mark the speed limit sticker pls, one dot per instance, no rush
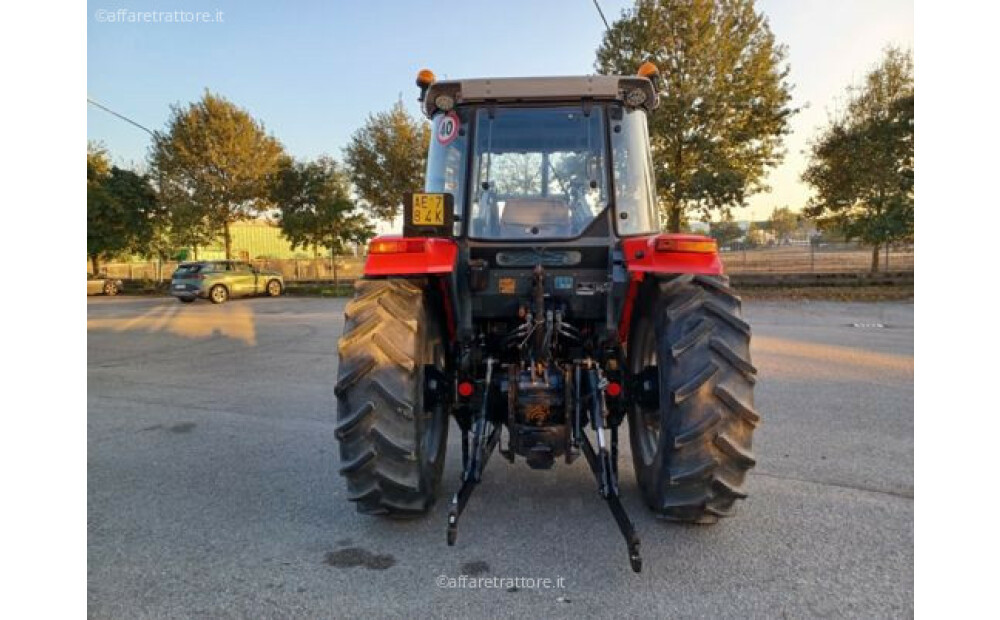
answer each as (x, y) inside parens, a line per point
(447, 129)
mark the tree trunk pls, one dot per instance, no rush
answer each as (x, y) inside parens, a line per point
(674, 219)
(333, 262)
(195, 249)
(875, 250)
(228, 240)
(95, 261)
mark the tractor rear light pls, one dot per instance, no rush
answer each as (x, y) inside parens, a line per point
(699, 246)
(614, 389)
(444, 102)
(635, 97)
(397, 246)
(465, 389)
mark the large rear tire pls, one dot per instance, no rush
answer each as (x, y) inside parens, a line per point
(693, 451)
(392, 446)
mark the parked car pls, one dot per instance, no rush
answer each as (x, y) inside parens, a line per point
(218, 280)
(103, 285)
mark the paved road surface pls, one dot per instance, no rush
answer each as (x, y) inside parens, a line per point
(212, 485)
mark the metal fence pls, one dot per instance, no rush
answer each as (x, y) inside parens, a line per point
(816, 258)
(825, 258)
(293, 269)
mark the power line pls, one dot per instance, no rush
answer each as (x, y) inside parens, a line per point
(123, 117)
(603, 19)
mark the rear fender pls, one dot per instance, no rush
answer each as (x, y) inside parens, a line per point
(642, 255)
(394, 256)
(665, 254)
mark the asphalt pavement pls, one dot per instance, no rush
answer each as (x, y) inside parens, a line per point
(213, 489)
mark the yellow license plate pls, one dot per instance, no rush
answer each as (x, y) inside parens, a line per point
(428, 210)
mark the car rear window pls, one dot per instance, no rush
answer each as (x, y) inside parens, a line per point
(186, 270)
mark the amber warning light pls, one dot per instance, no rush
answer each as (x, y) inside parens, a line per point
(396, 246)
(700, 246)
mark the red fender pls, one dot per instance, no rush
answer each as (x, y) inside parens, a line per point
(673, 253)
(392, 255)
(665, 253)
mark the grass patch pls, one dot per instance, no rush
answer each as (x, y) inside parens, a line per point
(903, 292)
(319, 290)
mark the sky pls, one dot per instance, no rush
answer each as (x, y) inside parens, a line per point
(313, 71)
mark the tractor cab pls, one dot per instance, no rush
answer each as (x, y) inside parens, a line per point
(543, 159)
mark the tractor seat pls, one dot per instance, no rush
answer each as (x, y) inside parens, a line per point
(543, 217)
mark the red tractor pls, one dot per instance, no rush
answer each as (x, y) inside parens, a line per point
(533, 291)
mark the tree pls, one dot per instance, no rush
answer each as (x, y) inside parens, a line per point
(782, 223)
(724, 108)
(316, 208)
(217, 164)
(121, 206)
(755, 235)
(725, 231)
(861, 165)
(187, 225)
(387, 157)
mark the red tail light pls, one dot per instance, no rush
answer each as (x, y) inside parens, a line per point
(465, 389)
(699, 246)
(397, 246)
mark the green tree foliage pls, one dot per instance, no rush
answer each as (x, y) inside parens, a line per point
(121, 208)
(217, 164)
(316, 208)
(782, 223)
(755, 235)
(387, 157)
(861, 165)
(98, 164)
(724, 108)
(725, 231)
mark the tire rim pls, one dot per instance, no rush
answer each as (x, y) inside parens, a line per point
(647, 426)
(218, 294)
(273, 288)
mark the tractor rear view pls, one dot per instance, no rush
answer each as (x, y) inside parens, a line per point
(533, 299)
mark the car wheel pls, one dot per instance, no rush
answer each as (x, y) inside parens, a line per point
(110, 289)
(218, 294)
(273, 288)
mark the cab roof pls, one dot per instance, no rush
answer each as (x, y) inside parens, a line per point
(540, 89)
